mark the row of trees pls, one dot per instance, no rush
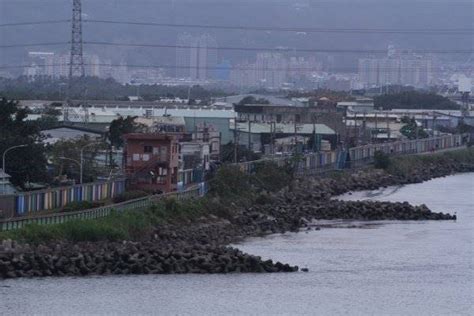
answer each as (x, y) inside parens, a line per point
(414, 100)
(93, 88)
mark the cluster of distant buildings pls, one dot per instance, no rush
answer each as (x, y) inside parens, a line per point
(177, 143)
(197, 62)
(397, 68)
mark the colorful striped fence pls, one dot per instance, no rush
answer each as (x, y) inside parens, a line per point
(57, 218)
(190, 176)
(406, 147)
(359, 156)
(35, 201)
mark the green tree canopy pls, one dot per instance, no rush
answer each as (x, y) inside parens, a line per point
(252, 100)
(25, 164)
(411, 130)
(121, 126)
(414, 100)
(47, 88)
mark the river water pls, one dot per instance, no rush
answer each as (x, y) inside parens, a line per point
(384, 268)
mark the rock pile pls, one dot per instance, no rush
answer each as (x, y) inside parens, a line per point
(130, 258)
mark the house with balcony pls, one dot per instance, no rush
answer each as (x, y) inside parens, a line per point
(151, 161)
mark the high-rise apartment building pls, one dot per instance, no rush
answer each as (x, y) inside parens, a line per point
(396, 68)
(272, 70)
(196, 57)
(41, 64)
(57, 65)
(244, 75)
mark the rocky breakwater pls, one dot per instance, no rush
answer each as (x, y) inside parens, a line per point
(293, 213)
(106, 258)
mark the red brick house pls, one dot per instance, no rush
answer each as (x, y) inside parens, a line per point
(151, 161)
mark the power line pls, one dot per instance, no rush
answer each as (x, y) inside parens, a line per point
(34, 23)
(289, 69)
(257, 49)
(34, 44)
(285, 49)
(291, 29)
(439, 31)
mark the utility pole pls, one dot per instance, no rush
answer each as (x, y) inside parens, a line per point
(376, 129)
(250, 134)
(465, 104)
(294, 118)
(76, 61)
(236, 140)
(388, 127)
(416, 127)
(364, 128)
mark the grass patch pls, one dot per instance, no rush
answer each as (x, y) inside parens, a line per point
(403, 166)
(230, 189)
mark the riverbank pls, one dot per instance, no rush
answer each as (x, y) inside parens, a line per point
(192, 237)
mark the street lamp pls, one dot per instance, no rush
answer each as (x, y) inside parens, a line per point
(3, 161)
(81, 161)
(82, 157)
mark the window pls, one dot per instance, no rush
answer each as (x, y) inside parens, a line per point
(163, 153)
(136, 157)
(147, 149)
(297, 118)
(278, 118)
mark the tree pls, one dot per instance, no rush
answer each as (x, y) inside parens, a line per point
(48, 119)
(243, 153)
(71, 149)
(411, 130)
(25, 164)
(414, 100)
(121, 126)
(252, 100)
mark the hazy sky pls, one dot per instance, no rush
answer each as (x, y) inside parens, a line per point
(362, 14)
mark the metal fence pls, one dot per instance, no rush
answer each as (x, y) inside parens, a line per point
(321, 162)
(27, 203)
(140, 203)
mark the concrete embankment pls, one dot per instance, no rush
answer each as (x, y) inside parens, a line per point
(200, 244)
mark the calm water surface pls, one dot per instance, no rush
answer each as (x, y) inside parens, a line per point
(391, 268)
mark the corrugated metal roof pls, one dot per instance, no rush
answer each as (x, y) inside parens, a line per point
(274, 101)
(259, 128)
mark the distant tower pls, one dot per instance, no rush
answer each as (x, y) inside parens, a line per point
(465, 87)
(76, 61)
(76, 65)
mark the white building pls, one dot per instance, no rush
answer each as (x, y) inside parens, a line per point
(57, 65)
(395, 69)
(196, 57)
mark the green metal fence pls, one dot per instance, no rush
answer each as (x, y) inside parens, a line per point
(58, 218)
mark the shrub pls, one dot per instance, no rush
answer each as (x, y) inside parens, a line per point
(381, 160)
(271, 177)
(129, 195)
(92, 231)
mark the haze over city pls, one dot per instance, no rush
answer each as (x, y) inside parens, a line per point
(316, 39)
